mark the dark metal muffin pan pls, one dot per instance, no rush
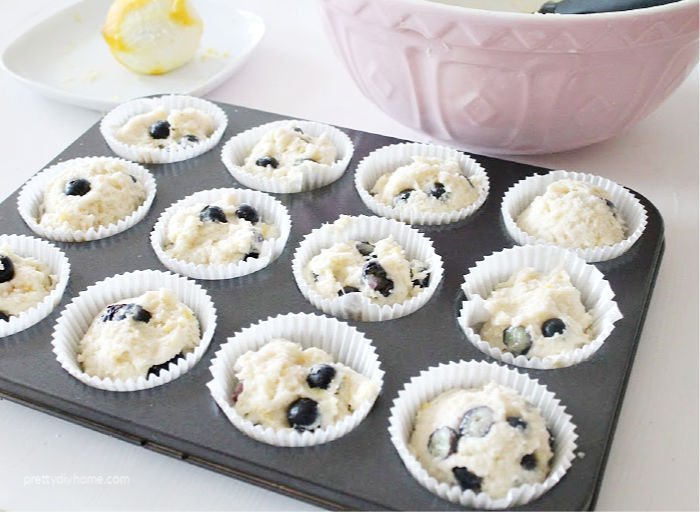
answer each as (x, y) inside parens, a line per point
(361, 470)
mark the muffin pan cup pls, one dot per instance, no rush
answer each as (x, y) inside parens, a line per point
(361, 469)
(271, 212)
(471, 374)
(356, 306)
(32, 193)
(596, 296)
(117, 117)
(308, 176)
(521, 194)
(344, 343)
(59, 266)
(80, 313)
(389, 158)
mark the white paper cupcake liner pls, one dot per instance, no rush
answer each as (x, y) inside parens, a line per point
(521, 194)
(355, 306)
(31, 198)
(435, 380)
(79, 314)
(271, 211)
(389, 158)
(310, 175)
(53, 257)
(596, 294)
(117, 117)
(344, 343)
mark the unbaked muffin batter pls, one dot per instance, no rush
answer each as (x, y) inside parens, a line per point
(427, 184)
(223, 231)
(90, 194)
(487, 439)
(282, 385)
(573, 214)
(537, 315)
(284, 150)
(136, 336)
(161, 128)
(24, 282)
(381, 271)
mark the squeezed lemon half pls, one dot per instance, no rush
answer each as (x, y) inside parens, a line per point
(152, 37)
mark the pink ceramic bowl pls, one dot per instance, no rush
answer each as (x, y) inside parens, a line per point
(513, 83)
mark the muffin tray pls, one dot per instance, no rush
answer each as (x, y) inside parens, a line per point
(361, 470)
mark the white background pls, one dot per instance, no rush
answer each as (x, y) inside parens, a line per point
(653, 463)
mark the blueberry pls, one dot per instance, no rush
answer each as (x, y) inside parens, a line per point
(7, 273)
(298, 130)
(302, 414)
(247, 212)
(212, 214)
(517, 340)
(438, 191)
(157, 368)
(191, 138)
(133, 178)
(159, 130)
(476, 422)
(528, 461)
(117, 312)
(77, 187)
(467, 480)
(364, 248)
(237, 390)
(420, 282)
(320, 376)
(4, 317)
(252, 254)
(517, 422)
(553, 326)
(346, 290)
(442, 442)
(376, 278)
(403, 196)
(265, 161)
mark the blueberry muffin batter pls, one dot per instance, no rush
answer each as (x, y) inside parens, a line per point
(487, 439)
(224, 231)
(282, 385)
(161, 128)
(427, 184)
(380, 271)
(282, 151)
(89, 194)
(573, 214)
(537, 315)
(24, 282)
(138, 337)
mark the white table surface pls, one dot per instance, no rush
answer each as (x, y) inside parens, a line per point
(653, 464)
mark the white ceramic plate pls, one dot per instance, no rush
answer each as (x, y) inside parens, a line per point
(64, 56)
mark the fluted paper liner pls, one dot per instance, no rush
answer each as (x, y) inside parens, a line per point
(117, 117)
(310, 175)
(389, 158)
(79, 314)
(31, 198)
(56, 261)
(343, 342)
(522, 193)
(355, 306)
(469, 374)
(596, 295)
(271, 212)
